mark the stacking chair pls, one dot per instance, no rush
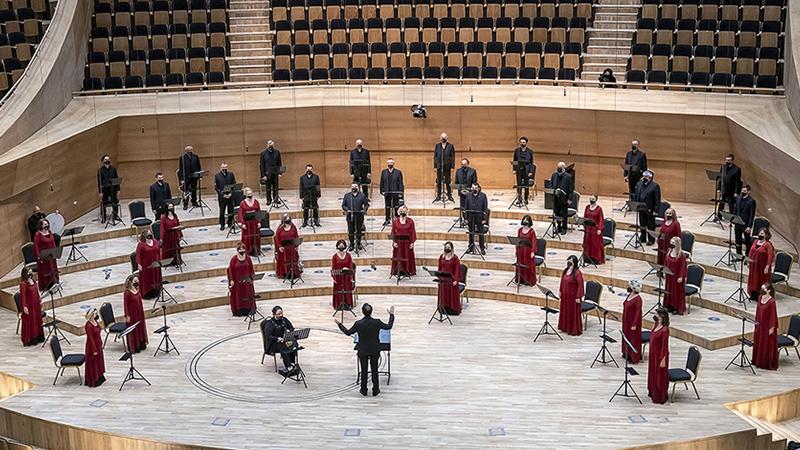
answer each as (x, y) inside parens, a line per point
(62, 361)
(139, 220)
(688, 375)
(792, 337)
(592, 294)
(783, 267)
(110, 324)
(695, 275)
(609, 231)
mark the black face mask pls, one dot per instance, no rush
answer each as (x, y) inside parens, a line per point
(655, 319)
(108, 163)
(250, 196)
(592, 201)
(634, 148)
(390, 166)
(444, 141)
(96, 317)
(160, 181)
(526, 224)
(136, 284)
(729, 163)
(761, 238)
(241, 252)
(403, 214)
(340, 248)
(448, 250)
(308, 172)
(745, 194)
(474, 191)
(353, 190)
(763, 292)
(171, 210)
(671, 245)
(560, 170)
(149, 236)
(630, 290)
(287, 221)
(224, 171)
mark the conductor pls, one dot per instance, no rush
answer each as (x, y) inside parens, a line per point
(369, 345)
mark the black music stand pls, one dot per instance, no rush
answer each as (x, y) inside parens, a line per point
(624, 209)
(440, 278)
(74, 252)
(400, 263)
(473, 234)
(53, 324)
(360, 170)
(163, 295)
(660, 271)
(392, 207)
(740, 295)
(200, 174)
(312, 190)
(257, 216)
(294, 270)
(296, 374)
(658, 236)
(518, 243)
(132, 374)
(741, 355)
(254, 315)
(728, 258)
(231, 217)
(604, 352)
(635, 207)
(629, 371)
(584, 222)
(359, 234)
(166, 341)
(714, 176)
(546, 326)
(178, 258)
(278, 201)
(112, 183)
(459, 222)
(54, 253)
(343, 306)
(519, 202)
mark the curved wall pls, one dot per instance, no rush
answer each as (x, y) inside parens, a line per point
(791, 55)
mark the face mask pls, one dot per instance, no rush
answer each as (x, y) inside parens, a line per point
(592, 201)
(560, 170)
(761, 237)
(448, 249)
(730, 163)
(340, 248)
(634, 148)
(136, 284)
(353, 190)
(630, 290)
(308, 171)
(391, 166)
(241, 252)
(108, 163)
(96, 317)
(224, 171)
(744, 194)
(464, 166)
(46, 227)
(655, 319)
(671, 245)
(403, 213)
(523, 145)
(359, 147)
(444, 140)
(526, 223)
(763, 292)
(249, 195)
(149, 236)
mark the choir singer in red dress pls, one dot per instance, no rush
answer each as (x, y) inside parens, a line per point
(632, 322)
(763, 255)
(449, 296)
(46, 269)
(668, 229)
(593, 249)
(343, 281)
(675, 261)
(571, 292)
(403, 250)
(241, 293)
(526, 256)
(658, 364)
(287, 260)
(134, 312)
(95, 363)
(147, 251)
(32, 328)
(765, 336)
(251, 229)
(170, 236)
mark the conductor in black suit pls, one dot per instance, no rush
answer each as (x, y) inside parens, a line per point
(225, 200)
(369, 345)
(636, 159)
(160, 194)
(108, 193)
(188, 165)
(269, 166)
(648, 192)
(562, 184)
(444, 160)
(729, 183)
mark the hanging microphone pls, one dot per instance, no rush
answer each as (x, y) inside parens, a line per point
(611, 289)
(372, 266)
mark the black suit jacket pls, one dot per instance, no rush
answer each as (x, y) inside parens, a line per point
(392, 181)
(355, 203)
(104, 177)
(368, 330)
(444, 158)
(187, 165)
(271, 331)
(269, 160)
(746, 209)
(478, 202)
(363, 155)
(637, 161)
(306, 186)
(466, 178)
(221, 180)
(730, 181)
(159, 195)
(649, 194)
(526, 158)
(564, 182)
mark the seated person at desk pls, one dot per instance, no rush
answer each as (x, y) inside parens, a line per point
(273, 330)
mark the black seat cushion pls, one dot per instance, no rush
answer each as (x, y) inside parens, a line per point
(141, 222)
(679, 375)
(586, 306)
(461, 287)
(267, 232)
(690, 290)
(778, 278)
(538, 260)
(118, 327)
(73, 359)
(785, 341)
(645, 336)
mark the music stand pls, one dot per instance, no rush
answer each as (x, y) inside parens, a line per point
(520, 166)
(251, 315)
(518, 243)
(132, 374)
(200, 174)
(178, 258)
(360, 171)
(440, 278)
(312, 190)
(636, 207)
(471, 247)
(582, 221)
(400, 263)
(257, 216)
(234, 227)
(392, 207)
(359, 235)
(296, 374)
(162, 292)
(658, 236)
(601, 355)
(343, 306)
(166, 341)
(53, 324)
(277, 171)
(546, 326)
(714, 176)
(728, 259)
(294, 270)
(740, 295)
(52, 253)
(629, 371)
(112, 183)
(459, 222)
(660, 271)
(741, 355)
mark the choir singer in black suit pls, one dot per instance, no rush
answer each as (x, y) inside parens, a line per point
(188, 165)
(637, 160)
(225, 199)
(648, 192)
(369, 344)
(310, 193)
(270, 165)
(444, 160)
(354, 207)
(466, 176)
(360, 166)
(160, 194)
(476, 206)
(729, 183)
(108, 193)
(562, 184)
(745, 207)
(524, 169)
(392, 189)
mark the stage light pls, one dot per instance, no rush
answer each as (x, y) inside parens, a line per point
(419, 112)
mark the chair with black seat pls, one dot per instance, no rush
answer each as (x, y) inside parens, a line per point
(28, 257)
(90, 84)
(547, 8)
(301, 55)
(489, 75)
(522, 29)
(681, 57)
(436, 53)
(649, 9)
(511, 9)
(660, 57)
(110, 324)
(552, 55)
(102, 15)
(216, 60)
(508, 75)
(386, 9)
(432, 74)
(376, 74)
(120, 38)
(466, 30)
(726, 33)
(154, 81)
(283, 56)
(357, 74)
(470, 74)
(546, 75)
(640, 57)
(566, 74)
(195, 79)
(533, 55)
(297, 10)
(710, 10)
(458, 9)
(177, 60)
(301, 32)
(198, 11)
(333, 10)
(218, 78)
(416, 54)
(745, 61)
(700, 79)
(687, 244)
(122, 14)
(688, 375)
(197, 59)
(792, 337)
(783, 267)
(218, 34)
(14, 67)
(770, 36)
(161, 12)
(413, 74)
(218, 10)
(397, 54)
(540, 254)
(748, 33)
(729, 10)
(140, 38)
(374, 30)
(97, 65)
(62, 361)
(684, 35)
(283, 32)
(572, 56)
(706, 32)
(379, 56)
(139, 220)
(430, 29)
(665, 32)
(669, 9)
(137, 63)
(609, 231)
(411, 29)
(281, 75)
(494, 54)
(448, 27)
(462, 283)
(658, 78)
(319, 31)
(743, 81)
(540, 28)
(266, 345)
(635, 76)
(645, 340)
(23, 50)
(577, 30)
(695, 274)
(319, 74)
(180, 12)
(455, 54)
(112, 83)
(100, 39)
(359, 57)
(583, 9)
(338, 74)
(394, 74)
(451, 73)
(18, 304)
(591, 299)
(527, 75)
(141, 13)
(394, 30)
(301, 75)
(678, 80)
(133, 82)
(8, 18)
(159, 36)
(722, 79)
(768, 61)
(322, 57)
(645, 28)
(701, 62)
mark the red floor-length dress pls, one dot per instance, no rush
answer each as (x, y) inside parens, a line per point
(95, 363)
(668, 231)
(242, 296)
(526, 275)
(658, 377)
(251, 234)
(765, 345)
(632, 327)
(404, 251)
(569, 316)
(675, 297)
(46, 269)
(449, 295)
(286, 261)
(762, 255)
(342, 282)
(32, 329)
(170, 238)
(134, 311)
(149, 279)
(592, 242)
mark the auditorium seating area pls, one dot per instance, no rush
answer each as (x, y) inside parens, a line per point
(136, 44)
(22, 24)
(429, 40)
(722, 43)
